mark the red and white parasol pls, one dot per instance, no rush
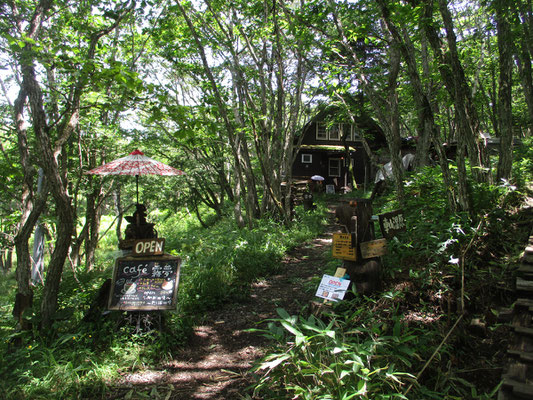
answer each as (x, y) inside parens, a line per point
(136, 163)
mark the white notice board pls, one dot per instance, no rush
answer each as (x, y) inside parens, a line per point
(332, 288)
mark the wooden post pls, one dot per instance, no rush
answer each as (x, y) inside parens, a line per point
(356, 217)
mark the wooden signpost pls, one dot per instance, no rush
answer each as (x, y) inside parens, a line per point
(342, 247)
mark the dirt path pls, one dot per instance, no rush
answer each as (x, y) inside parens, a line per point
(215, 362)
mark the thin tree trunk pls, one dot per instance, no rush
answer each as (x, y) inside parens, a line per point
(467, 116)
(456, 93)
(37, 271)
(523, 53)
(380, 106)
(427, 129)
(504, 96)
(92, 218)
(233, 137)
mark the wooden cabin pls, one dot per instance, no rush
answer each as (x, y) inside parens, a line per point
(327, 148)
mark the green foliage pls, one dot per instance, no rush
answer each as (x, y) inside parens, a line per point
(78, 358)
(220, 262)
(322, 361)
(372, 347)
(522, 171)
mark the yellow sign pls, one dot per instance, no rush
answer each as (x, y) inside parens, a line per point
(342, 247)
(374, 248)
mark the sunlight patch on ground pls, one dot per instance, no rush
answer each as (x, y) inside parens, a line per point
(203, 331)
(261, 284)
(421, 317)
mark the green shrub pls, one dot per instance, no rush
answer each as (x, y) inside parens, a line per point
(317, 360)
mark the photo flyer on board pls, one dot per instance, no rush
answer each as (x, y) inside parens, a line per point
(332, 288)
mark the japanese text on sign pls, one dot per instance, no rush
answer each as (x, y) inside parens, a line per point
(147, 284)
(342, 247)
(392, 223)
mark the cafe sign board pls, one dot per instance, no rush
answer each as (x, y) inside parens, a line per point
(147, 283)
(342, 247)
(392, 223)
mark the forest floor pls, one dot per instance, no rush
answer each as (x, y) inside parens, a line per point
(215, 362)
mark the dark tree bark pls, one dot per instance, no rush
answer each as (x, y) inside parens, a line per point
(92, 216)
(393, 133)
(427, 129)
(504, 94)
(235, 137)
(453, 76)
(382, 107)
(523, 21)
(52, 150)
(465, 109)
(24, 295)
(356, 217)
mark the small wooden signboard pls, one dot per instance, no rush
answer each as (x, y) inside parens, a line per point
(342, 247)
(374, 248)
(147, 283)
(392, 223)
(144, 247)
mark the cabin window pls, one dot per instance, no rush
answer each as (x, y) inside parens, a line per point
(354, 134)
(321, 131)
(335, 167)
(335, 132)
(307, 158)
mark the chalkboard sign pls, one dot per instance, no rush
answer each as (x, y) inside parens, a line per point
(145, 283)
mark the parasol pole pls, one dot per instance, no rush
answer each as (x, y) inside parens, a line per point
(137, 181)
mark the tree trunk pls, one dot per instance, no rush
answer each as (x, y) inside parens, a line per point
(234, 137)
(119, 210)
(392, 132)
(427, 129)
(504, 96)
(92, 218)
(356, 217)
(467, 116)
(31, 210)
(390, 124)
(37, 271)
(453, 87)
(523, 53)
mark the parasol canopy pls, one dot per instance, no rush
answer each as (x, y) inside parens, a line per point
(136, 163)
(317, 178)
